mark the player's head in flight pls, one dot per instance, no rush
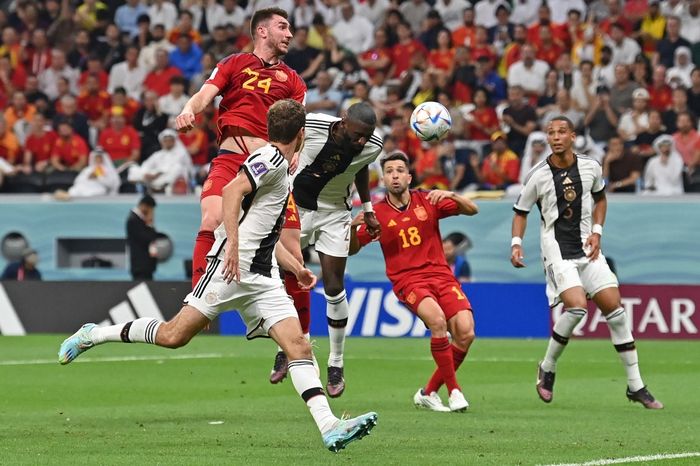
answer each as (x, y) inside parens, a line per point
(285, 123)
(560, 135)
(270, 28)
(397, 177)
(357, 126)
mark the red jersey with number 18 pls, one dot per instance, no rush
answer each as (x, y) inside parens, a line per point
(248, 87)
(410, 238)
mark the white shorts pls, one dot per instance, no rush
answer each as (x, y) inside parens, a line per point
(593, 276)
(261, 301)
(327, 230)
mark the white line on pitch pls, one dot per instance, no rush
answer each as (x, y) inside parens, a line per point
(634, 459)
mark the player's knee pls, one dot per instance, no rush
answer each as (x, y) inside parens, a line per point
(464, 337)
(170, 339)
(211, 219)
(437, 324)
(333, 289)
(299, 348)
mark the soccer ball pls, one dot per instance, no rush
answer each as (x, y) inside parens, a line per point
(430, 121)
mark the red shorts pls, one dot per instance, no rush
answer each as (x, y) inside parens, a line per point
(446, 291)
(222, 170)
(291, 218)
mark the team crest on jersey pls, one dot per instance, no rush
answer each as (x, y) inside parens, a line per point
(281, 76)
(259, 168)
(329, 166)
(421, 213)
(411, 298)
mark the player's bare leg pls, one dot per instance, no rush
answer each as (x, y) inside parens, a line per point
(290, 239)
(608, 301)
(175, 333)
(336, 433)
(461, 327)
(433, 316)
(211, 218)
(333, 271)
(574, 300)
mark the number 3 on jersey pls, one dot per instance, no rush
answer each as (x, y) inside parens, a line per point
(263, 84)
(412, 239)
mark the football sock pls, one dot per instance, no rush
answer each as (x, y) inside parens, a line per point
(337, 315)
(307, 384)
(202, 246)
(563, 328)
(436, 380)
(442, 354)
(622, 338)
(301, 298)
(141, 330)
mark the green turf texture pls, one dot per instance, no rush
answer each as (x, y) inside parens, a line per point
(158, 411)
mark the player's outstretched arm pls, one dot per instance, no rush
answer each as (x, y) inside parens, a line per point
(232, 197)
(197, 103)
(362, 185)
(518, 231)
(288, 262)
(466, 205)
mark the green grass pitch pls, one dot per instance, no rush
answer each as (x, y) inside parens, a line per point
(211, 403)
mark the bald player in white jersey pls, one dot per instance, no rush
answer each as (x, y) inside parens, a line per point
(569, 191)
(335, 155)
(243, 274)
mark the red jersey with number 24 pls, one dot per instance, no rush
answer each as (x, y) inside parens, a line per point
(248, 87)
(410, 238)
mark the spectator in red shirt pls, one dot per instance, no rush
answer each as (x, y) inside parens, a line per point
(126, 103)
(184, 27)
(548, 49)
(687, 141)
(465, 34)
(38, 54)
(11, 79)
(659, 91)
(158, 80)
(120, 140)
(378, 58)
(441, 59)
(482, 121)
(94, 68)
(403, 52)
(39, 145)
(94, 102)
(70, 151)
(481, 46)
(501, 167)
(544, 17)
(616, 16)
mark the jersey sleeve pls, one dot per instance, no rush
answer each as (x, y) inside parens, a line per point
(262, 168)
(221, 74)
(299, 90)
(528, 195)
(598, 181)
(447, 208)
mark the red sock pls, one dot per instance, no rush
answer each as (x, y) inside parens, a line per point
(442, 354)
(301, 298)
(436, 380)
(202, 246)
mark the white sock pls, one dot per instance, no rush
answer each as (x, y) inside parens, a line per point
(563, 328)
(141, 330)
(307, 384)
(337, 315)
(622, 338)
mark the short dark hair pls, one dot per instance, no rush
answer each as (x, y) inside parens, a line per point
(284, 120)
(569, 123)
(362, 112)
(178, 80)
(147, 200)
(396, 155)
(263, 15)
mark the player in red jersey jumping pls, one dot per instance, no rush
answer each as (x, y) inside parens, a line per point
(415, 263)
(248, 83)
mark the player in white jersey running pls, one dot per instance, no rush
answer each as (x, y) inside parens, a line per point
(569, 191)
(335, 155)
(243, 274)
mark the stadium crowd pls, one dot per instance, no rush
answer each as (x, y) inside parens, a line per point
(89, 89)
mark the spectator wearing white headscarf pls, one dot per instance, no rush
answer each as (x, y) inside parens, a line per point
(98, 178)
(663, 175)
(679, 74)
(165, 167)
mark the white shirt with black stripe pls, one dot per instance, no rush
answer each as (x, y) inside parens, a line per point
(327, 170)
(262, 213)
(564, 197)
